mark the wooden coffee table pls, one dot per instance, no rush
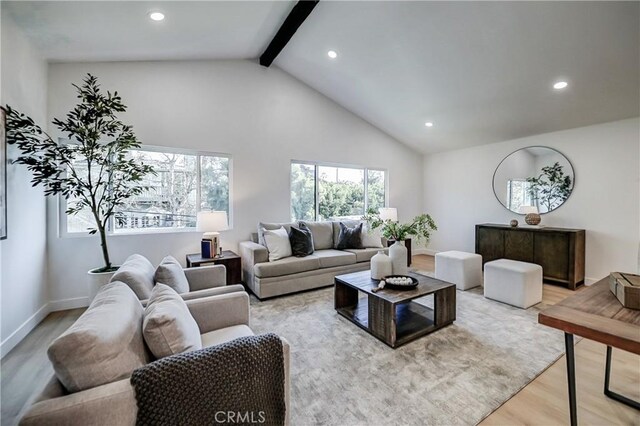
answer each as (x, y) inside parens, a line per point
(392, 315)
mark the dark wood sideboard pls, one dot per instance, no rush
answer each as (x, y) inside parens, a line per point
(560, 251)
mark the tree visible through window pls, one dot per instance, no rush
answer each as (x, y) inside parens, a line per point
(320, 192)
(184, 184)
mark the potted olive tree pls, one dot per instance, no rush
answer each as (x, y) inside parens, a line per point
(92, 171)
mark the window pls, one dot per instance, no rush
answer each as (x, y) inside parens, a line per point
(518, 194)
(323, 192)
(185, 183)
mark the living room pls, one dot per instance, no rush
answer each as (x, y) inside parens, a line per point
(418, 105)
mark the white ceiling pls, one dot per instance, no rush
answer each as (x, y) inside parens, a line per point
(120, 30)
(480, 71)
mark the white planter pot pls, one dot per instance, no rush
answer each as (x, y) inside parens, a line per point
(381, 266)
(95, 280)
(398, 255)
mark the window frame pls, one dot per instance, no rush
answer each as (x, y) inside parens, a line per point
(62, 202)
(318, 164)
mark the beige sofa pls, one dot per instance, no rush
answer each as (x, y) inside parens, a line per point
(293, 274)
(101, 369)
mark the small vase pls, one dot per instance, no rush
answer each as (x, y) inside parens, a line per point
(398, 255)
(381, 266)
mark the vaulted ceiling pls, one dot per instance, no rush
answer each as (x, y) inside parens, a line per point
(481, 72)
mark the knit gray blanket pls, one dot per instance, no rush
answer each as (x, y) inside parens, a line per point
(240, 382)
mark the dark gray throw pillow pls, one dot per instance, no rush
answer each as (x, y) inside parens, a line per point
(301, 240)
(350, 238)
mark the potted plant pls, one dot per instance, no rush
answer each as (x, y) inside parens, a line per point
(420, 228)
(92, 171)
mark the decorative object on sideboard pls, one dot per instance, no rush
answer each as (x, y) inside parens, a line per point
(3, 176)
(381, 265)
(532, 217)
(513, 223)
(626, 288)
(97, 141)
(398, 255)
(387, 220)
(534, 176)
(211, 223)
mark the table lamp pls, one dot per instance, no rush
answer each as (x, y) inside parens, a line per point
(211, 223)
(532, 217)
(389, 213)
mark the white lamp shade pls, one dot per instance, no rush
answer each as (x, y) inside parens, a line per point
(528, 209)
(212, 221)
(389, 213)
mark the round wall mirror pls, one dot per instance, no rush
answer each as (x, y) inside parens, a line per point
(535, 177)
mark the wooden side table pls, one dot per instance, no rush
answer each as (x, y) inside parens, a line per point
(229, 259)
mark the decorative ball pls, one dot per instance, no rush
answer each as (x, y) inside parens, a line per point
(513, 223)
(532, 219)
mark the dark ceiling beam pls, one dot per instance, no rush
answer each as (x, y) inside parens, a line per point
(296, 17)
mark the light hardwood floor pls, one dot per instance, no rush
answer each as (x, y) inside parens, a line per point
(541, 402)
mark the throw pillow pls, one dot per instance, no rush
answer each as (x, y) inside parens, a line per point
(371, 238)
(104, 345)
(168, 326)
(301, 240)
(277, 243)
(170, 273)
(350, 238)
(136, 272)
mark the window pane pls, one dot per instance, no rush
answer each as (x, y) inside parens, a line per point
(375, 189)
(214, 185)
(170, 201)
(83, 220)
(518, 194)
(341, 192)
(303, 192)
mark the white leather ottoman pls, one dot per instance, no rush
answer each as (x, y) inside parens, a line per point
(516, 283)
(460, 268)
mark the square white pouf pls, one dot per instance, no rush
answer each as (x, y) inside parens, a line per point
(516, 283)
(460, 268)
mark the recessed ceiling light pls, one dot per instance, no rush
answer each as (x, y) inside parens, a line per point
(332, 54)
(156, 16)
(560, 85)
(428, 124)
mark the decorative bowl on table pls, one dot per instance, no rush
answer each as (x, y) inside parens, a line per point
(400, 282)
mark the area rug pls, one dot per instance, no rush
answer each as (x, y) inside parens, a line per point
(340, 375)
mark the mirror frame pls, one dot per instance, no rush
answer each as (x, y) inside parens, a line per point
(493, 179)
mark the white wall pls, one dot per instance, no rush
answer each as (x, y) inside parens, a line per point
(605, 201)
(23, 259)
(263, 117)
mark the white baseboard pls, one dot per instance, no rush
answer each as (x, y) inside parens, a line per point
(64, 304)
(24, 329)
(590, 281)
(424, 251)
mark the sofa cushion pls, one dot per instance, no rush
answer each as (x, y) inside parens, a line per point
(271, 227)
(168, 326)
(224, 335)
(105, 344)
(322, 233)
(170, 273)
(287, 266)
(301, 240)
(136, 272)
(350, 237)
(365, 254)
(278, 243)
(330, 258)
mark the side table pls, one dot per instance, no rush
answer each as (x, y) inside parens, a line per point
(229, 259)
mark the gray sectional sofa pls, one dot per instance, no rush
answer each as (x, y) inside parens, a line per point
(293, 274)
